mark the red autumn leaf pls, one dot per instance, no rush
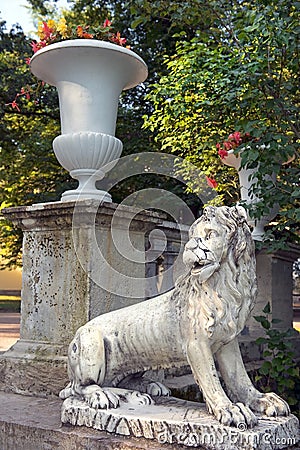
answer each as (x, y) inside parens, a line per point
(47, 31)
(107, 23)
(82, 33)
(14, 105)
(117, 39)
(37, 45)
(228, 145)
(211, 182)
(222, 153)
(236, 137)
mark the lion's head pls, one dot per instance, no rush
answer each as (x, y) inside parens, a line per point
(221, 261)
(218, 233)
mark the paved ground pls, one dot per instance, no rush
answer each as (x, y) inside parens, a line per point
(10, 329)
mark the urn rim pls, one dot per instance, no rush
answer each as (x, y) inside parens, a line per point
(73, 44)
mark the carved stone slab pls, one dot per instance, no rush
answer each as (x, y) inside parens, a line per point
(175, 421)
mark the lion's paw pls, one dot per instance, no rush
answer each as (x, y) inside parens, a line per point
(67, 392)
(137, 398)
(235, 414)
(157, 389)
(270, 404)
(102, 399)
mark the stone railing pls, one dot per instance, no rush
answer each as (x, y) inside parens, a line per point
(164, 247)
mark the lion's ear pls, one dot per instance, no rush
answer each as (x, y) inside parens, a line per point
(242, 240)
(239, 245)
(241, 212)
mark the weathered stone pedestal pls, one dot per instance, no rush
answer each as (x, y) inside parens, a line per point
(28, 423)
(275, 285)
(174, 421)
(79, 261)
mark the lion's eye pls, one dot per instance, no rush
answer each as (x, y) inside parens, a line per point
(211, 234)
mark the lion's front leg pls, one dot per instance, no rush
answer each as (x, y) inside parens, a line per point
(203, 367)
(240, 387)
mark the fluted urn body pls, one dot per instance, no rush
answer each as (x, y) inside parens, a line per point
(89, 76)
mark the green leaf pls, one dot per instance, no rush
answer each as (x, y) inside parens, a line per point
(265, 368)
(259, 318)
(276, 320)
(266, 324)
(267, 308)
(261, 340)
(296, 193)
(138, 22)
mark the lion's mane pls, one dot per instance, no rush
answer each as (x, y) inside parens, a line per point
(225, 300)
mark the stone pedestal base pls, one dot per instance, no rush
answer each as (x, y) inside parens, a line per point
(34, 368)
(175, 421)
(275, 285)
(80, 260)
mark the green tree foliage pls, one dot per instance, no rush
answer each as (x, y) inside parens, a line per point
(239, 73)
(29, 170)
(214, 67)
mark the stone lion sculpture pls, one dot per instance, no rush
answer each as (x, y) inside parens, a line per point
(196, 323)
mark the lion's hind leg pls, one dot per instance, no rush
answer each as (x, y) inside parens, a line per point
(86, 369)
(144, 384)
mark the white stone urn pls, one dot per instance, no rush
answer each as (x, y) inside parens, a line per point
(246, 180)
(89, 76)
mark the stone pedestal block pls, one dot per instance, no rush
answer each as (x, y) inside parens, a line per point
(274, 278)
(175, 421)
(79, 260)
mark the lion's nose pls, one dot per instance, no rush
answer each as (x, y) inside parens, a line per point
(188, 257)
(192, 244)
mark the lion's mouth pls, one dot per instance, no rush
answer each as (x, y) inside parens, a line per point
(199, 265)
